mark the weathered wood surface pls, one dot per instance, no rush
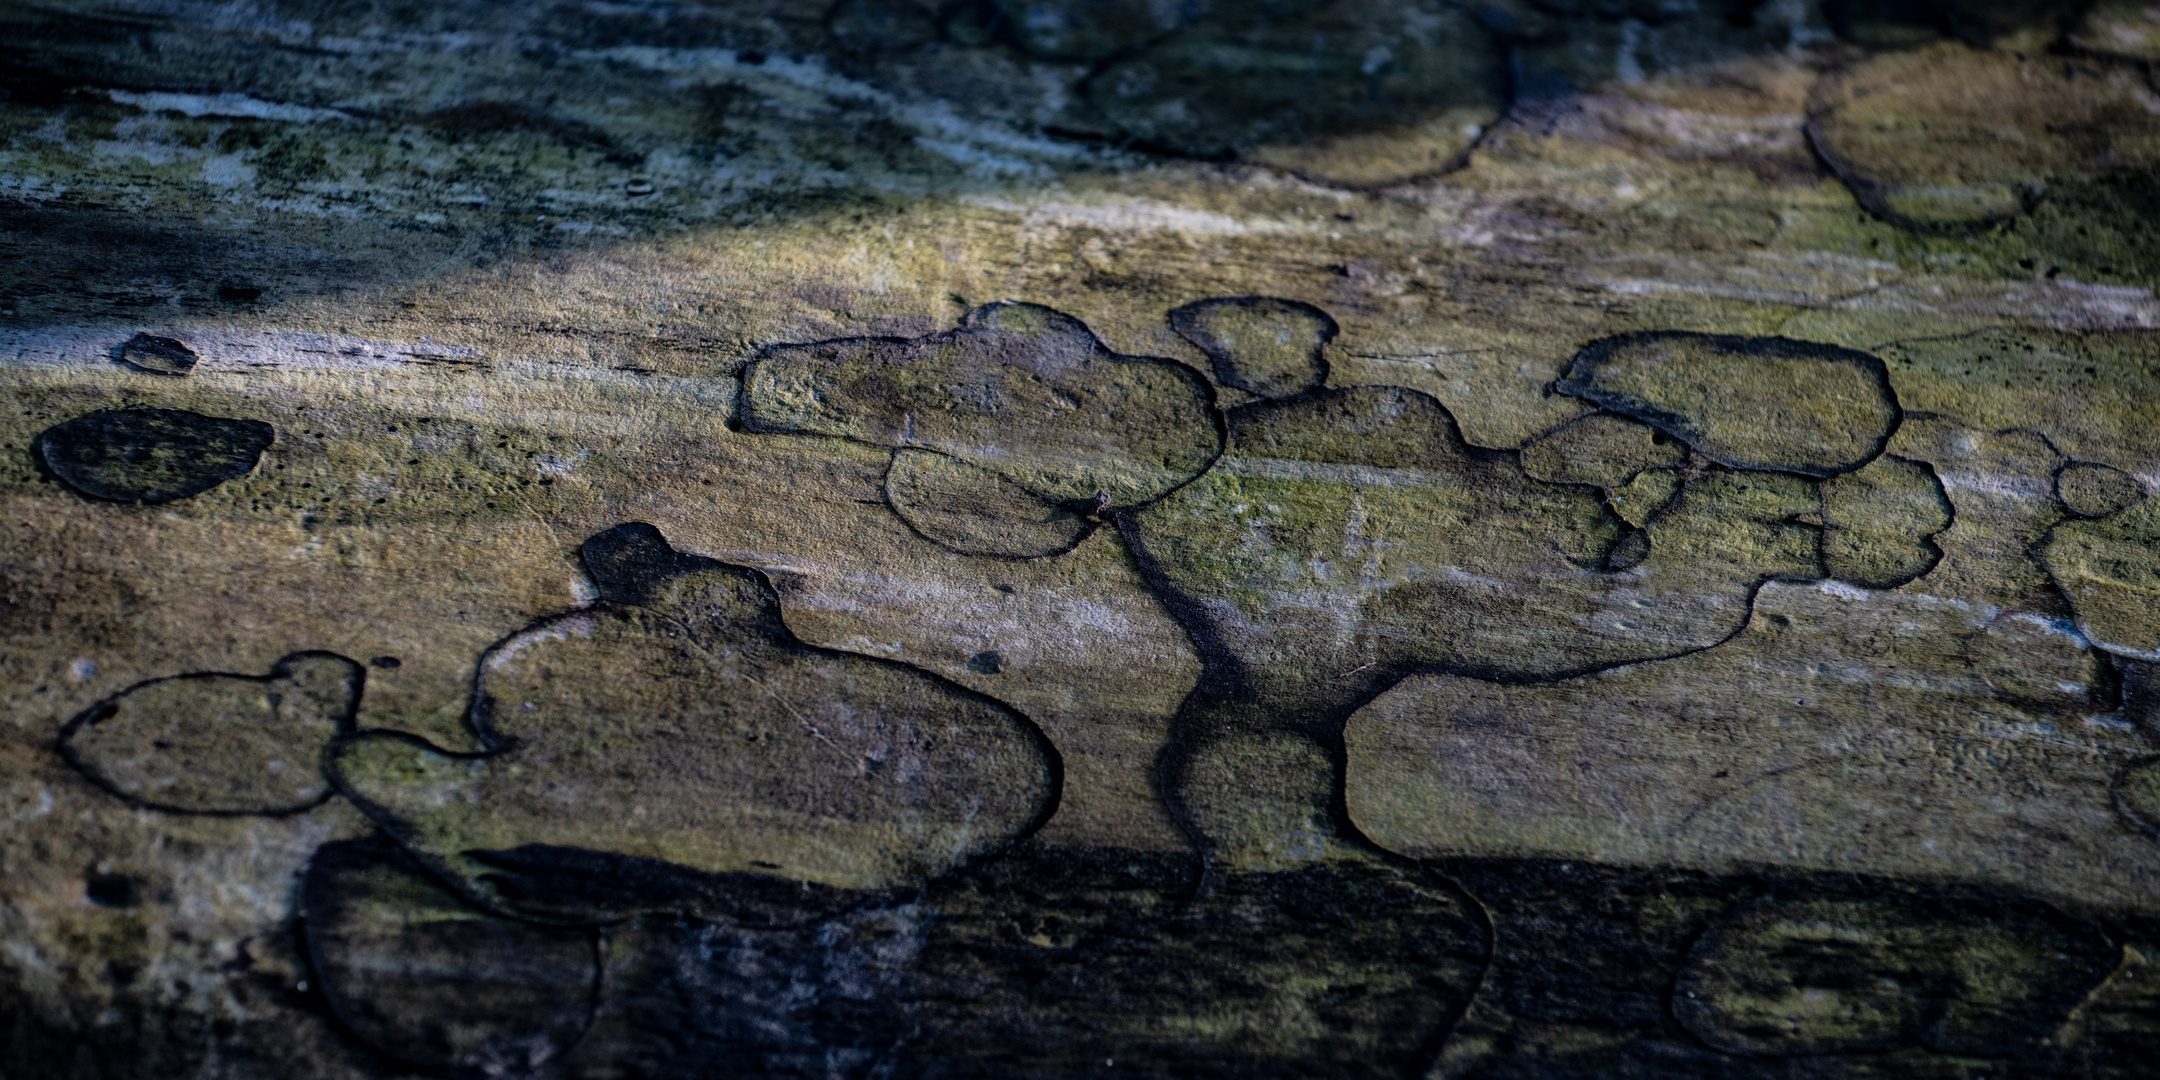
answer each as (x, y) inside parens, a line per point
(1100, 537)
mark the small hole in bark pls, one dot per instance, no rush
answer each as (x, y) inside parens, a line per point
(112, 890)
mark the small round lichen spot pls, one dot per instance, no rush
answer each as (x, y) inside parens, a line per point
(158, 355)
(1436, 143)
(1260, 344)
(152, 455)
(392, 774)
(2090, 489)
(1751, 403)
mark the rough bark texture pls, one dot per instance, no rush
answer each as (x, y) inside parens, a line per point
(1385, 538)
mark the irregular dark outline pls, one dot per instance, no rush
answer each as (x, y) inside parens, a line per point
(356, 679)
(41, 452)
(1586, 362)
(2033, 550)
(1222, 668)
(1740, 885)
(1223, 681)
(743, 420)
(633, 589)
(1182, 320)
(376, 849)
